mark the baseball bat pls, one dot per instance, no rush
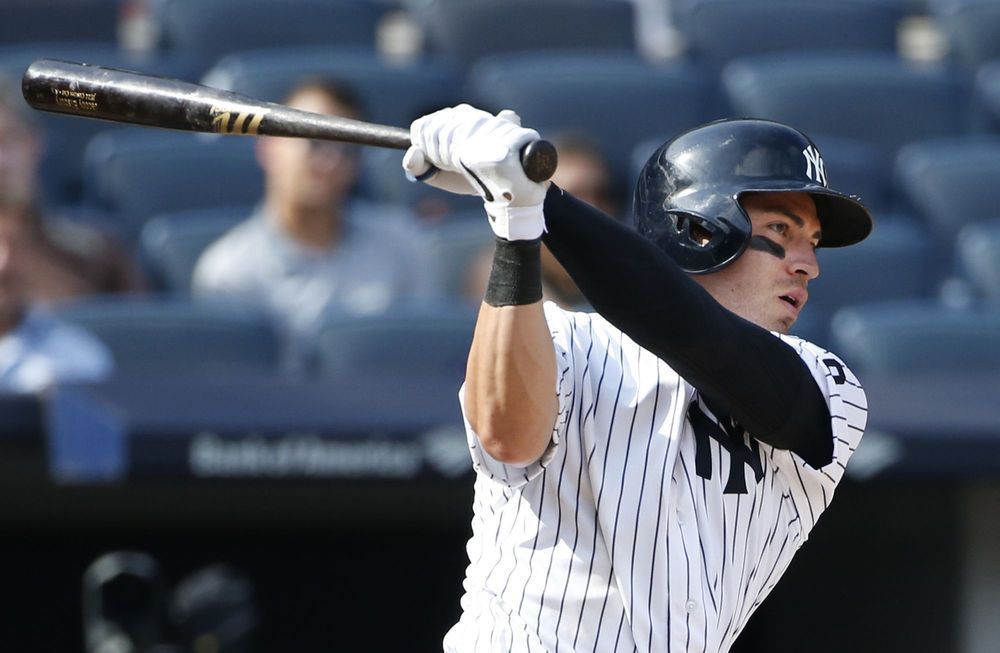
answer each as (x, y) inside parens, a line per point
(136, 98)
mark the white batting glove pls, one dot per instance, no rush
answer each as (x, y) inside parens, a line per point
(483, 151)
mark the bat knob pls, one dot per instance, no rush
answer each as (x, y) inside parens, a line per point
(539, 159)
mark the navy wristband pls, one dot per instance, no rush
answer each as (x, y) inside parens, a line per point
(516, 276)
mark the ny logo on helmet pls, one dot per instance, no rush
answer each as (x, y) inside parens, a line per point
(815, 169)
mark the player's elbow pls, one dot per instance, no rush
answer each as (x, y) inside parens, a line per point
(514, 442)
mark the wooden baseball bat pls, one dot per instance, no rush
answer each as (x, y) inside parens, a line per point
(135, 98)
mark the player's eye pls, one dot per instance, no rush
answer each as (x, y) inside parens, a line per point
(779, 228)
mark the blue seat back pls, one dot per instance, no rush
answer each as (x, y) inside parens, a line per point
(875, 99)
(972, 28)
(172, 243)
(978, 254)
(392, 94)
(212, 29)
(617, 100)
(157, 337)
(25, 21)
(468, 30)
(951, 182)
(915, 338)
(411, 339)
(140, 173)
(722, 30)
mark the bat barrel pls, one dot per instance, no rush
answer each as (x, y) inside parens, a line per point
(140, 99)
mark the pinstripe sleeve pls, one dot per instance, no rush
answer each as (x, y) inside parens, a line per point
(812, 489)
(561, 327)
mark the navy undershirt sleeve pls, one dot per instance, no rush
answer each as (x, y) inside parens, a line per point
(757, 378)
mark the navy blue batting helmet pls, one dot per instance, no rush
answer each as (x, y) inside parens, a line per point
(696, 180)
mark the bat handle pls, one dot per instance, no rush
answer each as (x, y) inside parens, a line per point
(539, 159)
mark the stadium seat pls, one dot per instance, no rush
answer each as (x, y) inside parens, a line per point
(66, 137)
(412, 339)
(452, 249)
(978, 255)
(394, 94)
(156, 337)
(987, 92)
(59, 20)
(896, 262)
(913, 338)
(972, 28)
(213, 29)
(171, 243)
(468, 30)
(140, 173)
(951, 182)
(618, 100)
(879, 100)
(721, 30)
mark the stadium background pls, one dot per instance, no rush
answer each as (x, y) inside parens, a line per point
(341, 491)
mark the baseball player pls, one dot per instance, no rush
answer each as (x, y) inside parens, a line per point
(645, 473)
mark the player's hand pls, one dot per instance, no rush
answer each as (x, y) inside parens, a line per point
(470, 145)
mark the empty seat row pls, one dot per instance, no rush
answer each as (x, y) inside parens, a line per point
(157, 337)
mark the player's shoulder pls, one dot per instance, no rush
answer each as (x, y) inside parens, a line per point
(829, 370)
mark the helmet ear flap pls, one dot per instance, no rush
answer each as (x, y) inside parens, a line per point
(694, 232)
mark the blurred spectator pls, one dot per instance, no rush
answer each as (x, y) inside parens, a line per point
(36, 349)
(57, 259)
(310, 247)
(583, 172)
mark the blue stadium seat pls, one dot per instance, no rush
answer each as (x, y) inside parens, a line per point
(468, 30)
(453, 248)
(987, 89)
(210, 30)
(418, 340)
(978, 255)
(972, 28)
(951, 182)
(140, 173)
(392, 94)
(156, 337)
(913, 338)
(879, 100)
(54, 20)
(618, 100)
(721, 30)
(66, 136)
(895, 262)
(171, 243)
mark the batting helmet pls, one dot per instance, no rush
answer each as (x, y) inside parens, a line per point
(697, 179)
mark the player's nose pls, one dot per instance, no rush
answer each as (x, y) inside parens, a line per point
(803, 261)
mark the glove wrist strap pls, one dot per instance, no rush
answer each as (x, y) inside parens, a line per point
(516, 276)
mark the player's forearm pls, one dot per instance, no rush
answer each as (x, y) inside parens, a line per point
(510, 398)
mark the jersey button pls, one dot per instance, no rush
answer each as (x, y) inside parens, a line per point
(691, 606)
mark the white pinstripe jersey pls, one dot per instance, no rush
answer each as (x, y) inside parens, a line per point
(637, 531)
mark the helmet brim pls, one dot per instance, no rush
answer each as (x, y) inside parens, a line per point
(843, 219)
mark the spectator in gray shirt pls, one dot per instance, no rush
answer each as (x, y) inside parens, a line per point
(310, 248)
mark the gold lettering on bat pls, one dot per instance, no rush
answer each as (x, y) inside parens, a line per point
(75, 100)
(227, 121)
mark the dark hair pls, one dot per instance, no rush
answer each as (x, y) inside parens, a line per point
(334, 89)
